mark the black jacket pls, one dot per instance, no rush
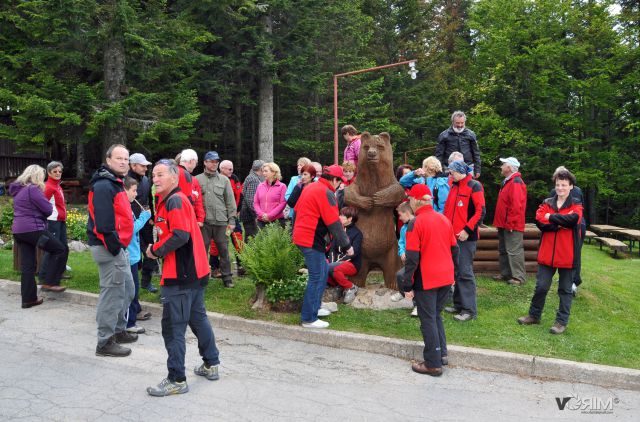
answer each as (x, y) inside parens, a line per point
(465, 142)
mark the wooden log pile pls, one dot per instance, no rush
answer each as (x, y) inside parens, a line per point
(486, 259)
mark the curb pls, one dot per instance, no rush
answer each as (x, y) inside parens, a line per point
(460, 356)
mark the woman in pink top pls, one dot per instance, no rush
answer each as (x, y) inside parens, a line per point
(269, 199)
(351, 152)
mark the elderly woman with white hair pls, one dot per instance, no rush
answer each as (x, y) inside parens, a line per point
(432, 175)
(30, 212)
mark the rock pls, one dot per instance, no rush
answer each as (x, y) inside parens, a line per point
(331, 306)
(379, 298)
(77, 246)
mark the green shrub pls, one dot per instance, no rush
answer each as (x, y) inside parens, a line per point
(283, 290)
(271, 258)
(76, 225)
(6, 217)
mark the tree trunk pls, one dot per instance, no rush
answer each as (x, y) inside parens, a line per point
(260, 300)
(265, 105)
(114, 73)
(238, 146)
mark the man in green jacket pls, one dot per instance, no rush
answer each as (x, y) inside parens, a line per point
(220, 211)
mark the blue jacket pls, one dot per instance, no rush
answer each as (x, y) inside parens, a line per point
(402, 241)
(439, 187)
(134, 246)
(292, 184)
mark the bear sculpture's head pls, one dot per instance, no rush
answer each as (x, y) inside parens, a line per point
(375, 162)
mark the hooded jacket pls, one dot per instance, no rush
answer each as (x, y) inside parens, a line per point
(53, 193)
(110, 216)
(30, 208)
(465, 206)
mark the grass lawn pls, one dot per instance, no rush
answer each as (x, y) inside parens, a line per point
(603, 327)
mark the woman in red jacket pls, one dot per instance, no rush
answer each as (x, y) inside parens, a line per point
(558, 218)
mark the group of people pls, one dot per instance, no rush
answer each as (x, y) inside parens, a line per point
(181, 218)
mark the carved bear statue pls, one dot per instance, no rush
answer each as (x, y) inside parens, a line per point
(376, 193)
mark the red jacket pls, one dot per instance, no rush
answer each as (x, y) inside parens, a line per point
(236, 187)
(53, 193)
(180, 242)
(317, 216)
(190, 186)
(560, 233)
(430, 240)
(465, 206)
(512, 204)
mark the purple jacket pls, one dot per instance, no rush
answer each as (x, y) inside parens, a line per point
(30, 208)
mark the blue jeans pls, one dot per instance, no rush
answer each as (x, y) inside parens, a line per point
(134, 307)
(318, 272)
(182, 307)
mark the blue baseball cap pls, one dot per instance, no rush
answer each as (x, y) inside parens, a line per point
(211, 155)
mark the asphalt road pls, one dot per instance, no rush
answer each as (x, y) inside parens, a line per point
(49, 371)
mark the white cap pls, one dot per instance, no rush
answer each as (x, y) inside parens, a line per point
(138, 158)
(512, 161)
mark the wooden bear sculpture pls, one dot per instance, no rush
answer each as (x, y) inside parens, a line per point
(376, 193)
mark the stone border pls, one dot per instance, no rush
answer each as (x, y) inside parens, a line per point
(463, 357)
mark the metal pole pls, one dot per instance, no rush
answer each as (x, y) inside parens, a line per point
(335, 99)
(335, 119)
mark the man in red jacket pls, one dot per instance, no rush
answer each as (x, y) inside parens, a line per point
(558, 218)
(185, 273)
(429, 273)
(509, 220)
(465, 210)
(317, 217)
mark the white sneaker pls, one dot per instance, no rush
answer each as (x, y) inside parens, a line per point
(136, 329)
(396, 297)
(316, 324)
(415, 311)
(323, 312)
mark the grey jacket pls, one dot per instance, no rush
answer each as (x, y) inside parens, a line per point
(217, 198)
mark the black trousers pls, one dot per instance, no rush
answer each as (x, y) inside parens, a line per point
(59, 230)
(430, 304)
(27, 244)
(147, 265)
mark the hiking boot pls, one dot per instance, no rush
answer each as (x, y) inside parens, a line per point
(515, 282)
(37, 302)
(241, 271)
(210, 373)
(143, 316)
(112, 349)
(528, 320)
(422, 368)
(445, 360)
(229, 284)
(168, 388)
(150, 288)
(53, 288)
(451, 310)
(135, 330)
(557, 328)
(350, 294)
(125, 337)
(498, 277)
(216, 273)
(463, 317)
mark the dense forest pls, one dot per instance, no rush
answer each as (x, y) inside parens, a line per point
(552, 82)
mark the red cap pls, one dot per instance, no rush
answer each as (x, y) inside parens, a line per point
(419, 191)
(335, 171)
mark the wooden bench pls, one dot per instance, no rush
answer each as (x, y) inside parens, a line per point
(613, 244)
(589, 235)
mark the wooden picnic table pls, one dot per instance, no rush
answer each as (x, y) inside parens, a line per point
(631, 235)
(605, 228)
